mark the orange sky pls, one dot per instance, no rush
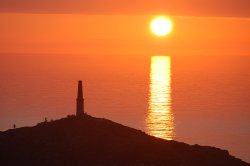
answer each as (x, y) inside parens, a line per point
(207, 27)
(121, 34)
(232, 8)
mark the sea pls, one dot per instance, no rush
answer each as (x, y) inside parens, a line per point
(201, 100)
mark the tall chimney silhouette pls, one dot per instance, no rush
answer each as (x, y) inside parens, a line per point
(79, 101)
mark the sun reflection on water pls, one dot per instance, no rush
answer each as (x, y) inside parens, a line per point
(160, 119)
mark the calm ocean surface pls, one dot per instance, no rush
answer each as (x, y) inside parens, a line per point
(196, 99)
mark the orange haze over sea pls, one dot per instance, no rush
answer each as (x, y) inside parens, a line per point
(122, 34)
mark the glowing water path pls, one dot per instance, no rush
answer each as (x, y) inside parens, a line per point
(160, 119)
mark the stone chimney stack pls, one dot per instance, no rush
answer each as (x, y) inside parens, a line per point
(80, 101)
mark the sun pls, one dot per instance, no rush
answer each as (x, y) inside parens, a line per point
(161, 26)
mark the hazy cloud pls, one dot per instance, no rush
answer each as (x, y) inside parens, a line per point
(220, 8)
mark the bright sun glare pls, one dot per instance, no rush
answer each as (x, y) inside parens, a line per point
(161, 26)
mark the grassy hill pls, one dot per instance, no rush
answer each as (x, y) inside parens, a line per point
(92, 141)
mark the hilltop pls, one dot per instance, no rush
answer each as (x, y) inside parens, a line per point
(90, 141)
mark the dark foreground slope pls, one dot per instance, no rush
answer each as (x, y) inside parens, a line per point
(92, 141)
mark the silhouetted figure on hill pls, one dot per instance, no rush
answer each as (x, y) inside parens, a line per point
(79, 101)
(14, 126)
(45, 120)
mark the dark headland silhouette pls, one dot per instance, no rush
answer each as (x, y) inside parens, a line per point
(82, 140)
